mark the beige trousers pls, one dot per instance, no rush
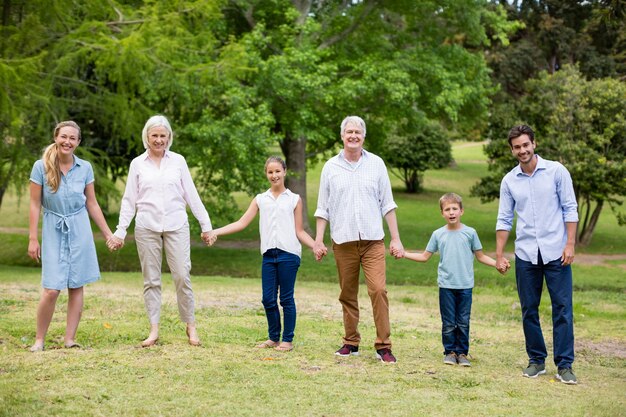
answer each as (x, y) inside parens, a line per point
(350, 257)
(150, 247)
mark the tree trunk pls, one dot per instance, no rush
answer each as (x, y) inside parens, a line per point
(295, 155)
(587, 232)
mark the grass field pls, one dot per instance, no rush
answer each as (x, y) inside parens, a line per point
(226, 376)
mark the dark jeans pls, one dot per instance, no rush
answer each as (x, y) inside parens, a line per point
(279, 274)
(529, 279)
(455, 306)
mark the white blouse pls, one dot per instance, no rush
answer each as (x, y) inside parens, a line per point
(160, 195)
(277, 225)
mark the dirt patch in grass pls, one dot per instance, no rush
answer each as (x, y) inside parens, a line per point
(609, 348)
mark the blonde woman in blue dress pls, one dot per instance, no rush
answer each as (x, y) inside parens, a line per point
(63, 185)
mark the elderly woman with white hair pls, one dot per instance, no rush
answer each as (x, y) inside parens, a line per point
(158, 189)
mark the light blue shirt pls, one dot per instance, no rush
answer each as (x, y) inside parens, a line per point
(456, 262)
(544, 201)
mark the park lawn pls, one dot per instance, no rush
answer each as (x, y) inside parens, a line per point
(226, 376)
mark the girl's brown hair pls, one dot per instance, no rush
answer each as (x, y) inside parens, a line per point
(51, 161)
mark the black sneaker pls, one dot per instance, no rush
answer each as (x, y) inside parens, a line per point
(385, 356)
(347, 350)
(566, 376)
(534, 370)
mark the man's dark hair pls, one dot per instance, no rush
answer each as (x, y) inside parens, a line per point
(520, 130)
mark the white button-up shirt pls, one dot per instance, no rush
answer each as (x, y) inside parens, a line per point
(277, 225)
(544, 201)
(354, 197)
(160, 195)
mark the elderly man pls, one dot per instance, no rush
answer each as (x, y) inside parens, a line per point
(354, 195)
(541, 193)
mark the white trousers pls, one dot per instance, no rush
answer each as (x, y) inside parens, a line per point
(150, 247)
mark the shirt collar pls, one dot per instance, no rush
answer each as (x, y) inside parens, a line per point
(268, 193)
(541, 164)
(364, 156)
(146, 155)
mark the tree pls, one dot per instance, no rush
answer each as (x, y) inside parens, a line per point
(408, 157)
(581, 124)
(390, 62)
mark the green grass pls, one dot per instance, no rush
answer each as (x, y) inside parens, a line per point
(226, 376)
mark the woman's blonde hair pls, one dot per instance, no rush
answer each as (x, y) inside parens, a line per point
(51, 165)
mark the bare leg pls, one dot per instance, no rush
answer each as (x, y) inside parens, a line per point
(74, 312)
(192, 334)
(152, 337)
(45, 310)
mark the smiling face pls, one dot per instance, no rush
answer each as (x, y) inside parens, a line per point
(158, 138)
(523, 149)
(353, 138)
(275, 174)
(452, 212)
(67, 140)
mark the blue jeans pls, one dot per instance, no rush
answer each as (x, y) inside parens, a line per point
(529, 279)
(278, 273)
(455, 306)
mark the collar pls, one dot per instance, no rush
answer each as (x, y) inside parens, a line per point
(146, 154)
(269, 194)
(364, 156)
(541, 164)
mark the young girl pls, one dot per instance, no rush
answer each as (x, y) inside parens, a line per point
(280, 227)
(63, 185)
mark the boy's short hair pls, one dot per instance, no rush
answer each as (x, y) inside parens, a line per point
(450, 198)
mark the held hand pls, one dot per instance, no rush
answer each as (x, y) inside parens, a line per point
(34, 250)
(568, 255)
(319, 250)
(209, 238)
(396, 249)
(503, 265)
(114, 243)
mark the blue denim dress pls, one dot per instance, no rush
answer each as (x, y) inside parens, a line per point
(68, 252)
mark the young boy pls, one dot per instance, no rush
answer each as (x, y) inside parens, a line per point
(457, 244)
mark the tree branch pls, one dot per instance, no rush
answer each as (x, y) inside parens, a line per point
(368, 7)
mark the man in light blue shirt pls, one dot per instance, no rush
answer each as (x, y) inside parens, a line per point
(542, 195)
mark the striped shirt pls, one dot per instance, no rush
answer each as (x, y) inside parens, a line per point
(354, 197)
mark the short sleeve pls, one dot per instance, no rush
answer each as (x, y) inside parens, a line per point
(37, 175)
(89, 177)
(476, 245)
(433, 243)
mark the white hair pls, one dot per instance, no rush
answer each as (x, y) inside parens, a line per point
(356, 120)
(156, 121)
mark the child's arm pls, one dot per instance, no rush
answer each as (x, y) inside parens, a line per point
(302, 235)
(485, 259)
(418, 257)
(240, 224)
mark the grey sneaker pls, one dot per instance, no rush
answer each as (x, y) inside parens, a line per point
(450, 359)
(534, 370)
(463, 361)
(566, 376)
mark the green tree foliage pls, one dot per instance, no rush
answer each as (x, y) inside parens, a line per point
(409, 156)
(390, 62)
(579, 123)
(236, 76)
